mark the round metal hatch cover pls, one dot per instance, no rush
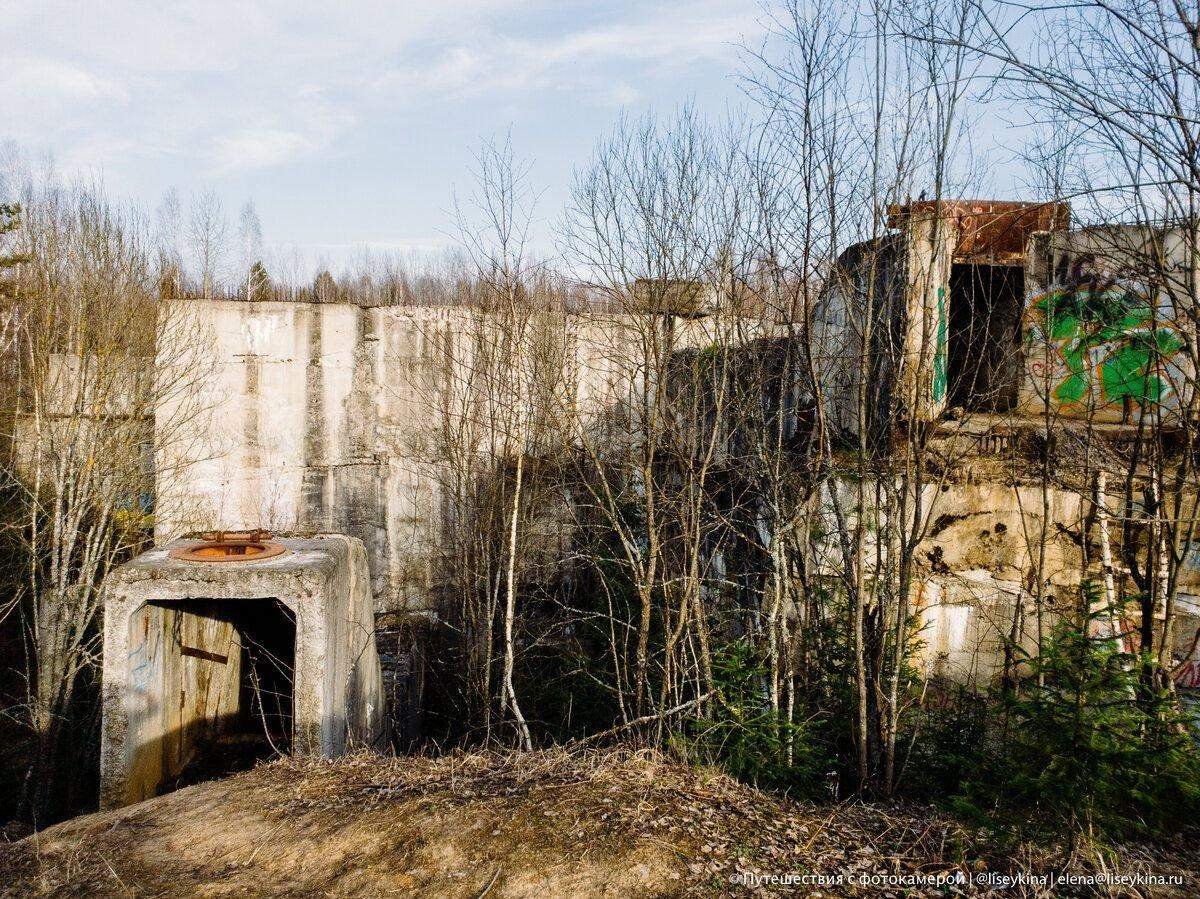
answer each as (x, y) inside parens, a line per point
(230, 546)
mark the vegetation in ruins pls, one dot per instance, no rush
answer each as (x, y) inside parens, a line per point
(92, 359)
(690, 471)
(726, 534)
(1079, 750)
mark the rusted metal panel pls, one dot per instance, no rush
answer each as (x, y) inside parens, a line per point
(196, 653)
(995, 232)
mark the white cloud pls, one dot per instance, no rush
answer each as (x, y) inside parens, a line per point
(303, 122)
(256, 148)
(194, 76)
(46, 91)
(151, 95)
(584, 60)
(621, 94)
(678, 34)
(39, 78)
(191, 77)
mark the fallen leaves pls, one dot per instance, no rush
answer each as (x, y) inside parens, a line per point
(596, 815)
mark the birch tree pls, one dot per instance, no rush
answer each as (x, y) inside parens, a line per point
(208, 235)
(96, 354)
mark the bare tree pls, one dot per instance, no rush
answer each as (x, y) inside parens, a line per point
(208, 234)
(96, 357)
(658, 227)
(168, 229)
(501, 358)
(250, 251)
(860, 115)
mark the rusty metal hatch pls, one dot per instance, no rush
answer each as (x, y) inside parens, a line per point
(230, 546)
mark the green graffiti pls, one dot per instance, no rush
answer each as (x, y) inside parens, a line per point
(1114, 324)
(939, 356)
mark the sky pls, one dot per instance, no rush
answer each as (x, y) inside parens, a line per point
(351, 124)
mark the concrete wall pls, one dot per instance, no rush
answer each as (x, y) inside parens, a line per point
(177, 701)
(977, 559)
(1094, 366)
(929, 244)
(868, 279)
(317, 418)
(320, 419)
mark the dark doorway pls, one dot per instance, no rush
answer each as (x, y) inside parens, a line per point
(219, 677)
(983, 365)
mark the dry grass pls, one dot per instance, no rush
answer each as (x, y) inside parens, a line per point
(540, 824)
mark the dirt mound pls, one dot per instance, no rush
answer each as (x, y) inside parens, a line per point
(541, 824)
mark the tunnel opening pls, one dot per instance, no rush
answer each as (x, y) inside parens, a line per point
(983, 365)
(215, 687)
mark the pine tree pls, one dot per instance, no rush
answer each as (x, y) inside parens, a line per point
(1084, 748)
(258, 283)
(10, 221)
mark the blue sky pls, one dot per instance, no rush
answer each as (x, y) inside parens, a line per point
(350, 124)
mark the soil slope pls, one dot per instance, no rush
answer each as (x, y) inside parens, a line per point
(543, 824)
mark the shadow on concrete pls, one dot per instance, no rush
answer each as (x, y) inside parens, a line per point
(211, 690)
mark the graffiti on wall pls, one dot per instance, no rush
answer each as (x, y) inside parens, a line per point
(939, 355)
(1187, 675)
(1099, 341)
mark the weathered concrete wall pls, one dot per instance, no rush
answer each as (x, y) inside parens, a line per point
(929, 243)
(979, 559)
(154, 699)
(900, 290)
(321, 419)
(1104, 335)
(867, 281)
(318, 418)
(289, 436)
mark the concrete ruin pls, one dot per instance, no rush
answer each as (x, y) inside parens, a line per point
(203, 655)
(993, 321)
(325, 408)
(321, 421)
(319, 417)
(944, 292)
(973, 305)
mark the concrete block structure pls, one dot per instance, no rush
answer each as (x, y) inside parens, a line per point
(319, 417)
(1010, 334)
(993, 306)
(944, 290)
(202, 657)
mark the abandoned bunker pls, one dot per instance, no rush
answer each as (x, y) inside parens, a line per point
(221, 651)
